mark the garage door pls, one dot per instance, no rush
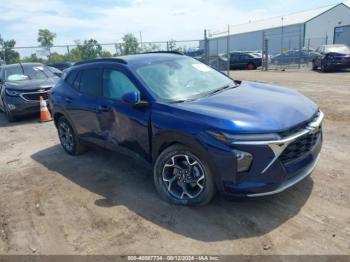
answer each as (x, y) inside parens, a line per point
(342, 35)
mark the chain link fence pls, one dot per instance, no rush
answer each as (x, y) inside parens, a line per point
(273, 49)
(83, 51)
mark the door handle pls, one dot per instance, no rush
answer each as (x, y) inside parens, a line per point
(69, 100)
(104, 108)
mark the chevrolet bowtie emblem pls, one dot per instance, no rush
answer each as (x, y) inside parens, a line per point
(313, 129)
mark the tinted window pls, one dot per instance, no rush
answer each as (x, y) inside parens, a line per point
(71, 77)
(89, 80)
(234, 57)
(116, 84)
(77, 81)
(244, 57)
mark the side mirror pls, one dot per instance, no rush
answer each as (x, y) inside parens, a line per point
(134, 99)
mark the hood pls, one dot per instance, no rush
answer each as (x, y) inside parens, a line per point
(32, 84)
(252, 108)
(345, 53)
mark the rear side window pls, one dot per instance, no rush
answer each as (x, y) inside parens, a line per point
(89, 82)
(71, 77)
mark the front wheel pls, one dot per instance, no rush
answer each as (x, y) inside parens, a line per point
(9, 116)
(181, 177)
(324, 66)
(314, 66)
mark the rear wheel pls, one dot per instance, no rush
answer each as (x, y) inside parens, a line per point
(69, 140)
(182, 178)
(250, 66)
(314, 66)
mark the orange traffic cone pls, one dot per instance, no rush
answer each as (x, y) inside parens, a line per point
(45, 115)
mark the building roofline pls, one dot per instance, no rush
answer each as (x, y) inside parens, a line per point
(327, 11)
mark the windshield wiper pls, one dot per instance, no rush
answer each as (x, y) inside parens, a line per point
(183, 100)
(220, 89)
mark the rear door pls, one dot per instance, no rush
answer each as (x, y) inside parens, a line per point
(123, 126)
(83, 104)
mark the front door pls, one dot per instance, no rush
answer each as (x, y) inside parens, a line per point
(123, 126)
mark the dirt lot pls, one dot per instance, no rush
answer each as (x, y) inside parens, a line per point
(105, 203)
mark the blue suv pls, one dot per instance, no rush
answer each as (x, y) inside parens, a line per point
(201, 130)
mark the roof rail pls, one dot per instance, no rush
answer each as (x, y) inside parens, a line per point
(164, 52)
(116, 60)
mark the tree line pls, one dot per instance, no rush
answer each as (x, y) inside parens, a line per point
(82, 50)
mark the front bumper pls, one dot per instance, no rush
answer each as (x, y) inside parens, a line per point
(303, 173)
(271, 171)
(339, 64)
(18, 106)
(21, 106)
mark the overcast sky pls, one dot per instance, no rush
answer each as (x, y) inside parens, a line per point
(108, 20)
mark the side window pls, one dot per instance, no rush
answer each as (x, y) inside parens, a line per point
(234, 58)
(76, 82)
(244, 57)
(71, 77)
(116, 84)
(89, 82)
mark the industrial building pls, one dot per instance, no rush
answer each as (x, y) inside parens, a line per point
(308, 29)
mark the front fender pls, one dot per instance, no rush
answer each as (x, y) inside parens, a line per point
(218, 157)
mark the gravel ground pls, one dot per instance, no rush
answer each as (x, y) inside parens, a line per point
(105, 203)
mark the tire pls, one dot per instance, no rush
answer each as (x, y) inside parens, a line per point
(190, 183)
(68, 138)
(9, 116)
(314, 66)
(251, 66)
(324, 66)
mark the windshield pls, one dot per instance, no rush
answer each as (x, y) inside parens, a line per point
(182, 79)
(25, 72)
(340, 48)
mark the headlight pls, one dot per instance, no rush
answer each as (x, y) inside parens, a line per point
(10, 92)
(244, 160)
(231, 138)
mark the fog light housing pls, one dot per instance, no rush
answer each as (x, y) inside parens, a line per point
(243, 160)
(11, 106)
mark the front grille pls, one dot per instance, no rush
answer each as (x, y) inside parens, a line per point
(300, 147)
(35, 96)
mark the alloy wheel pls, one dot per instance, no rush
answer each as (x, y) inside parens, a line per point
(66, 136)
(183, 176)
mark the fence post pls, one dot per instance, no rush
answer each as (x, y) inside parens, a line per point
(300, 47)
(68, 52)
(264, 52)
(228, 50)
(267, 54)
(206, 47)
(4, 54)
